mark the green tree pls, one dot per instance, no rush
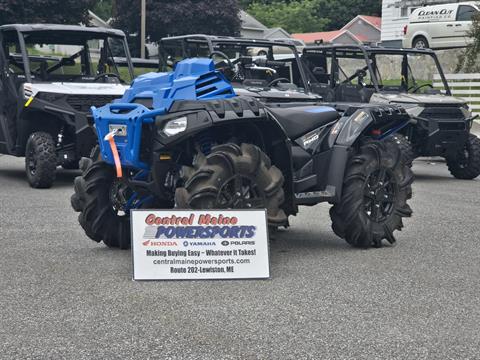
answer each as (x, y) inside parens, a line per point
(44, 11)
(340, 12)
(310, 15)
(469, 60)
(166, 17)
(293, 16)
(103, 8)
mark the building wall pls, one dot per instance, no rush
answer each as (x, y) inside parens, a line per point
(252, 33)
(360, 27)
(344, 39)
(392, 22)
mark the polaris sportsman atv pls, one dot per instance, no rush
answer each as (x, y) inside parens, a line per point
(198, 145)
(50, 76)
(440, 124)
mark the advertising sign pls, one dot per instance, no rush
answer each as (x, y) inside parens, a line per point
(203, 244)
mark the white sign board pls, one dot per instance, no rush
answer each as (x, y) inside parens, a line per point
(203, 244)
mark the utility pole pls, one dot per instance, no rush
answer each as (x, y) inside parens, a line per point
(142, 29)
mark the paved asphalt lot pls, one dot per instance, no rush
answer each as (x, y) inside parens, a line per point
(64, 296)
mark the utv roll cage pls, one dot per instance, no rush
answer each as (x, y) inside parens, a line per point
(363, 52)
(212, 40)
(64, 33)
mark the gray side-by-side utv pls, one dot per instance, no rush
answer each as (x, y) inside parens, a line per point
(440, 123)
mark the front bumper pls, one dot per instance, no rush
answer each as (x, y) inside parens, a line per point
(444, 137)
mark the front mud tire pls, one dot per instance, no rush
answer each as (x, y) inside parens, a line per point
(234, 177)
(466, 165)
(366, 172)
(92, 200)
(40, 160)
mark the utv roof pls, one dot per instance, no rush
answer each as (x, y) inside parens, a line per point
(230, 39)
(61, 28)
(368, 48)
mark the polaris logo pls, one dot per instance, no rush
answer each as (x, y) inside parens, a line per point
(236, 242)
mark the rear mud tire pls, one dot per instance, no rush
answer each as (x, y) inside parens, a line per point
(350, 218)
(406, 149)
(40, 160)
(208, 182)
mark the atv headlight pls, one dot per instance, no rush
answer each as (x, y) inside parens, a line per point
(175, 126)
(354, 127)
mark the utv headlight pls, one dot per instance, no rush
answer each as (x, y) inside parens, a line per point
(175, 126)
(413, 110)
(466, 111)
(50, 97)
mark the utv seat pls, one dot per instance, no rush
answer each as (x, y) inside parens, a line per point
(348, 92)
(353, 93)
(299, 120)
(324, 90)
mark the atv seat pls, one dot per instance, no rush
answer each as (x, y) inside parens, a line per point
(299, 120)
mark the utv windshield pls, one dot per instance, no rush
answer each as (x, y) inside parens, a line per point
(382, 70)
(68, 56)
(407, 72)
(246, 62)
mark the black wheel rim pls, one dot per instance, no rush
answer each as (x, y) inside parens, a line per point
(240, 192)
(120, 194)
(464, 157)
(380, 193)
(32, 162)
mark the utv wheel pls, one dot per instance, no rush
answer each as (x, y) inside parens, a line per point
(466, 165)
(101, 199)
(40, 160)
(234, 177)
(406, 149)
(376, 188)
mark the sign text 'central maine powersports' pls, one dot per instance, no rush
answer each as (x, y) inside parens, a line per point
(208, 244)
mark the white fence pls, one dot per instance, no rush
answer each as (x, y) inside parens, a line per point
(466, 86)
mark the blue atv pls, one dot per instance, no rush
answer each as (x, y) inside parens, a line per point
(183, 139)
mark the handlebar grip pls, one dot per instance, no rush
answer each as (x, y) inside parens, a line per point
(275, 63)
(265, 62)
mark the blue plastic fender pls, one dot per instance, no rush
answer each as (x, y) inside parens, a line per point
(192, 79)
